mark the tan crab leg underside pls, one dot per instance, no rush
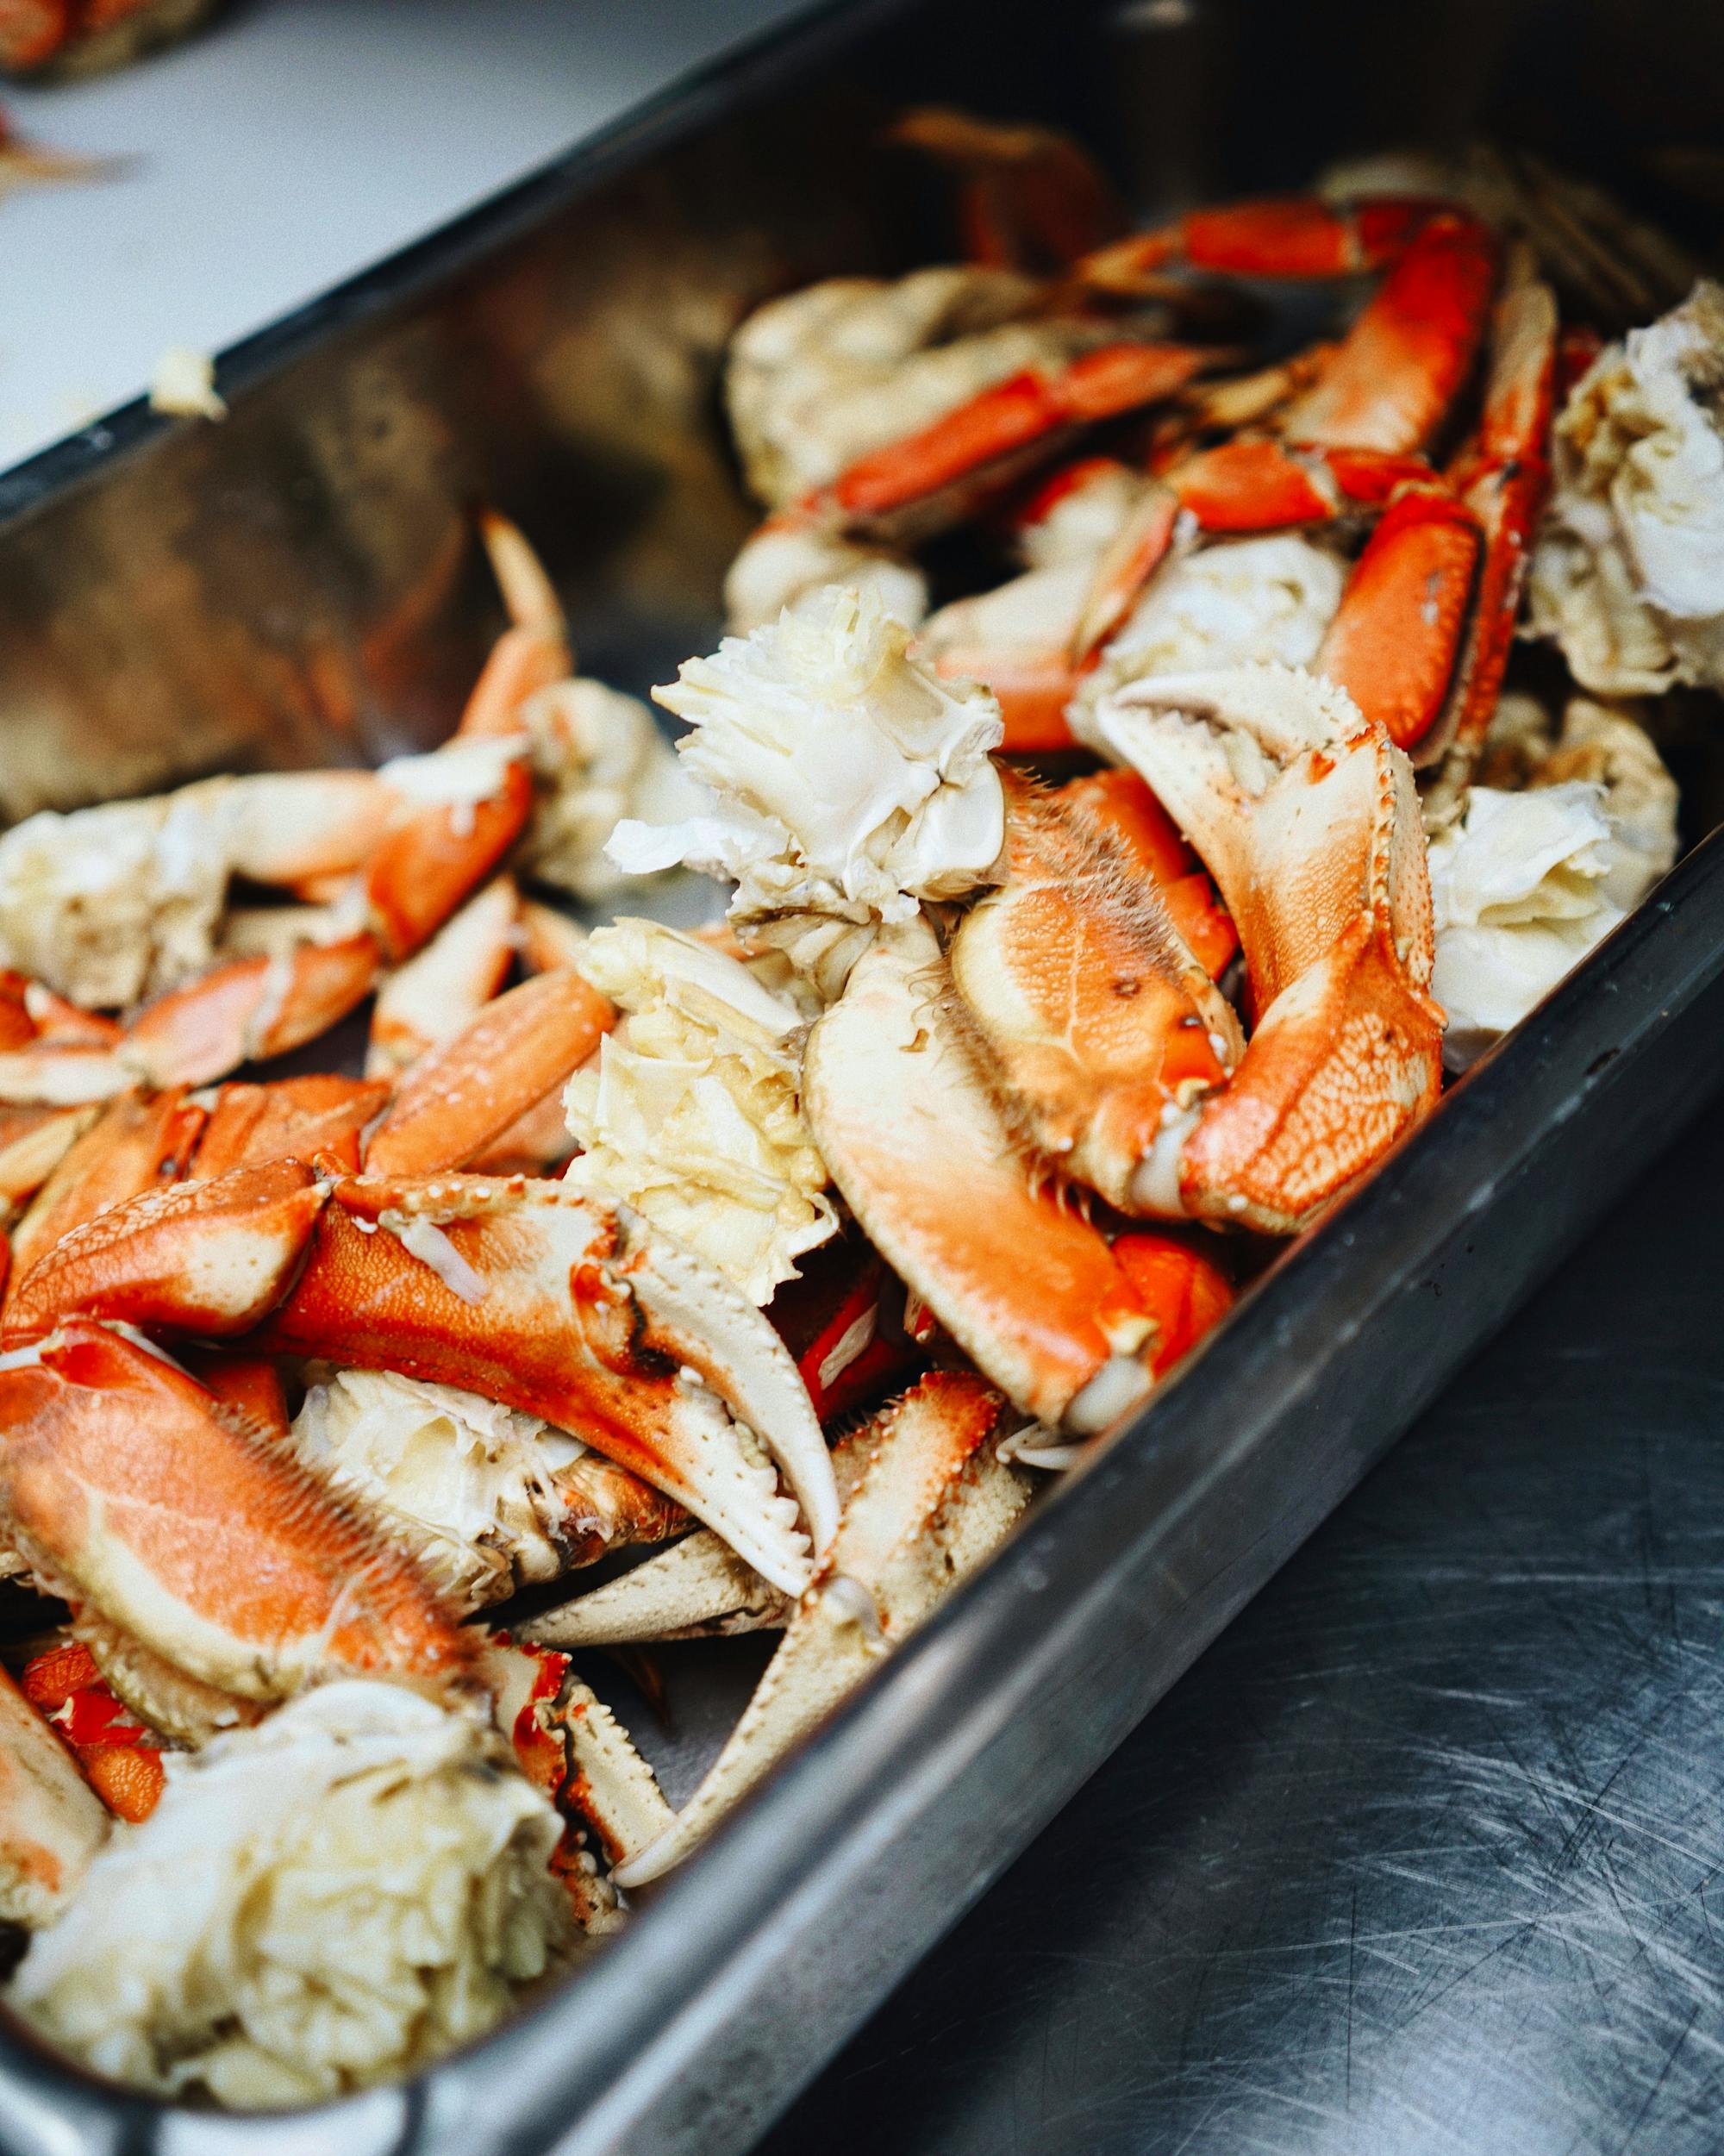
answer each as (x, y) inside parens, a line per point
(893, 1562)
(52, 1822)
(918, 1146)
(1100, 1024)
(570, 1309)
(1306, 815)
(124, 1488)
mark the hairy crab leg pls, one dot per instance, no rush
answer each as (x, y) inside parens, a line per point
(917, 1144)
(125, 1488)
(570, 1308)
(1306, 815)
(1119, 799)
(462, 1097)
(894, 1560)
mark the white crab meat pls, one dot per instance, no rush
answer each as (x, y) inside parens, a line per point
(786, 559)
(693, 1115)
(820, 378)
(115, 903)
(1236, 603)
(470, 1486)
(598, 756)
(336, 1896)
(846, 782)
(1522, 886)
(1628, 574)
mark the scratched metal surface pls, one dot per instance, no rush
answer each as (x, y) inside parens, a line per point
(1423, 1858)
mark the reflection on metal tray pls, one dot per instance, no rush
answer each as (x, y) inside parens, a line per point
(298, 584)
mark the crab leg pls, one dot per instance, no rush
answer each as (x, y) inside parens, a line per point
(1306, 815)
(1292, 236)
(201, 1256)
(939, 474)
(1031, 198)
(136, 1144)
(533, 652)
(124, 1487)
(52, 1822)
(1118, 800)
(568, 1308)
(447, 983)
(477, 795)
(33, 1143)
(246, 1011)
(460, 1098)
(923, 1155)
(894, 1561)
(317, 1117)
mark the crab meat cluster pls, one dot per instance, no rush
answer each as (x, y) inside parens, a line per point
(693, 1115)
(198, 1956)
(1629, 573)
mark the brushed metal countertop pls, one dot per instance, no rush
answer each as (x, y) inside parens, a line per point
(1423, 1858)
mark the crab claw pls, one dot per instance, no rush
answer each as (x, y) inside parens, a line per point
(924, 1158)
(124, 1487)
(208, 1257)
(1100, 1022)
(899, 1552)
(1306, 815)
(570, 1308)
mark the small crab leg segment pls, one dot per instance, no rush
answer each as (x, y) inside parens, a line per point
(609, 1509)
(1188, 1294)
(1100, 1024)
(119, 1758)
(211, 1258)
(451, 980)
(33, 1143)
(568, 1308)
(1397, 371)
(52, 1822)
(136, 1144)
(1307, 817)
(533, 651)
(1503, 476)
(459, 1098)
(893, 1562)
(313, 1118)
(248, 1010)
(436, 853)
(1294, 236)
(250, 1386)
(124, 1486)
(920, 1151)
(1393, 643)
(1029, 413)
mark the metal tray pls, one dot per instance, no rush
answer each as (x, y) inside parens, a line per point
(298, 584)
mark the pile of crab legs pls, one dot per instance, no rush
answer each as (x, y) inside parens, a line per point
(179, 1232)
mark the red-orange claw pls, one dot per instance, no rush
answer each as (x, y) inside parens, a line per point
(920, 1149)
(458, 1097)
(1186, 1293)
(1393, 644)
(126, 1487)
(208, 1258)
(571, 1309)
(288, 1119)
(437, 853)
(249, 1009)
(129, 1778)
